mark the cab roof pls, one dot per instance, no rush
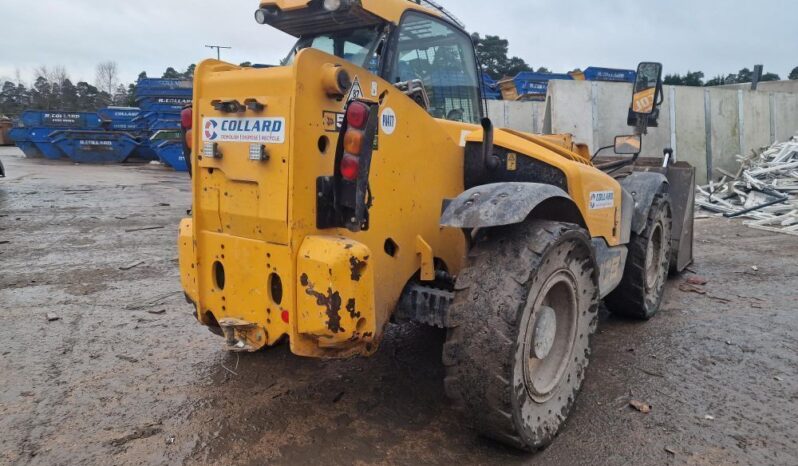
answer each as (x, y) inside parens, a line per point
(299, 17)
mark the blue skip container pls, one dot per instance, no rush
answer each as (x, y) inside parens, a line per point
(96, 147)
(21, 138)
(594, 73)
(171, 153)
(146, 84)
(120, 118)
(42, 138)
(164, 104)
(60, 120)
(157, 121)
(490, 88)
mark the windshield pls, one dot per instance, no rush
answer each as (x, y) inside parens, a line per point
(356, 46)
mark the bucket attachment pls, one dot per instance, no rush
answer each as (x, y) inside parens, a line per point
(681, 177)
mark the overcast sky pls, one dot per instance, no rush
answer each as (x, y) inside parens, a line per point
(714, 36)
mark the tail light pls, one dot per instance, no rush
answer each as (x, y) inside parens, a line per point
(187, 118)
(353, 142)
(357, 115)
(350, 167)
(186, 128)
(344, 199)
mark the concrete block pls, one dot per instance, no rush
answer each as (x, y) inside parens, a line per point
(571, 110)
(756, 121)
(725, 126)
(786, 115)
(520, 116)
(691, 140)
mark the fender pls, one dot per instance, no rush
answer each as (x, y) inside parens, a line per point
(500, 204)
(643, 186)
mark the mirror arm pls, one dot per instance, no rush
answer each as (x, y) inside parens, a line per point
(600, 149)
(613, 166)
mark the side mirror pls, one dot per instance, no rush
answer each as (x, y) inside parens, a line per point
(628, 145)
(647, 88)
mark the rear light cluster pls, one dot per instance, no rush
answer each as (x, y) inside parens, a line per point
(187, 123)
(344, 199)
(357, 116)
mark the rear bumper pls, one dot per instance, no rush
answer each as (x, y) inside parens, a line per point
(321, 298)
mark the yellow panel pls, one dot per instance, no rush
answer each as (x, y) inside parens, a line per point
(246, 294)
(584, 181)
(185, 247)
(413, 170)
(335, 292)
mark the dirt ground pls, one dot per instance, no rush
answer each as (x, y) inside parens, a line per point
(126, 376)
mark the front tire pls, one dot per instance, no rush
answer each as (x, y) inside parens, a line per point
(524, 311)
(639, 295)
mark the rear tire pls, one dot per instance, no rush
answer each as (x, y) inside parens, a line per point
(639, 295)
(524, 311)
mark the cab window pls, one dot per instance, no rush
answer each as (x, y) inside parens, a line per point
(442, 58)
(356, 46)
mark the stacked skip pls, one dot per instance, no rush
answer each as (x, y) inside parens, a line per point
(161, 101)
(114, 134)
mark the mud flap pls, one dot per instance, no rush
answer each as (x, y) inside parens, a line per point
(335, 292)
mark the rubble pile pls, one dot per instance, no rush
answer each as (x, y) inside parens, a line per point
(764, 190)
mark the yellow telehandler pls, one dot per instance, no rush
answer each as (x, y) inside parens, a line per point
(360, 183)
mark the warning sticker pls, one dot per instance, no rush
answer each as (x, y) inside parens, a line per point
(332, 121)
(602, 200)
(356, 92)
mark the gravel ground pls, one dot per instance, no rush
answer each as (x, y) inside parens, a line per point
(126, 376)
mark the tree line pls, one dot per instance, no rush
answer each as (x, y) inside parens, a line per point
(493, 55)
(53, 89)
(745, 75)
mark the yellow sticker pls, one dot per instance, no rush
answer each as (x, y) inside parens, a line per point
(512, 162)
(643, 101)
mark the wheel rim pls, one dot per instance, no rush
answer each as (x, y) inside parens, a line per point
(654, 255)
(550, 335)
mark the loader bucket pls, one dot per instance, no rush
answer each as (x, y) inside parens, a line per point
(681, 176)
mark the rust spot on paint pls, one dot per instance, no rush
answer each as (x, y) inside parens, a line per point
(350, 308)
(331, 302)
(356, 266)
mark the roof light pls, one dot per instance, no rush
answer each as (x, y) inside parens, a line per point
(263, 15)
(332, 5)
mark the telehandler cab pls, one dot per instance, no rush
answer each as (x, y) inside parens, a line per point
(360, 183)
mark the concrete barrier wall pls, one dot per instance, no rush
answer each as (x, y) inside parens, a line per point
(522, 116)
(707, 127)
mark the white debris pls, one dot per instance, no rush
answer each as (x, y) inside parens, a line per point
(764, 190)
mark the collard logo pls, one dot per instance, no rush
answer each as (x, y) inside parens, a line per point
(210, 130)
(602, 200)
(263, 130)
